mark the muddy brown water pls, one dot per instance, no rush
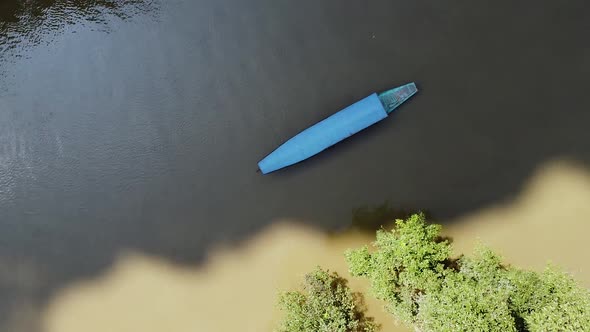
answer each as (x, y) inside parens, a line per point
(236, 289)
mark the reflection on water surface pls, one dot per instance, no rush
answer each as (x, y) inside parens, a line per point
(30, 22)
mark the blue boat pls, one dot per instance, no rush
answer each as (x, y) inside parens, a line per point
(337, 127)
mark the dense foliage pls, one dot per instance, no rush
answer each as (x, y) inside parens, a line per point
(412, 271)
(327, 305)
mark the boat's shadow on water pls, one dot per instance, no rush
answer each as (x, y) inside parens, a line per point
(350, 145)
(383, 128)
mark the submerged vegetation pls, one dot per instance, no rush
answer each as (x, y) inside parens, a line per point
(411, 269)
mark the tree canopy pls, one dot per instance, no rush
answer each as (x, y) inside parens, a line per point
(411, 269)
(327, 305)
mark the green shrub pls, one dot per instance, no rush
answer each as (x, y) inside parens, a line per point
(327, 305)
(550, 301)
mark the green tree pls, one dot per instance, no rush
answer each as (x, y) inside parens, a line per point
(411, 269)
(327, 305)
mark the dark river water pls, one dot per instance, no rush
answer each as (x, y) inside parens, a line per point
(138, 124)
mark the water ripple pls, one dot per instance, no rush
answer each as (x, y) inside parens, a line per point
(25, 23)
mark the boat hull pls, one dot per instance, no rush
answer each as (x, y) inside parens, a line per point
(325, 133)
